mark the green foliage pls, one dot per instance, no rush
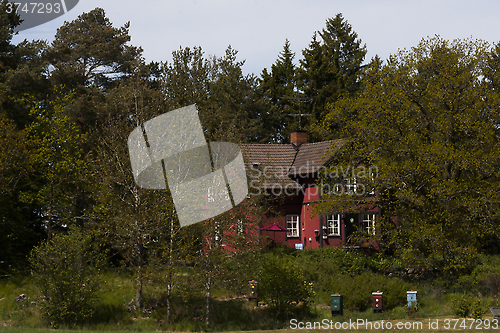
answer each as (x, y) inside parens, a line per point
(425, 121)
(462, 305)
(90, 51)
(9, 21)
(336, 261)
(229, 105)
(57, 162)
(18, 232)
(332, 65)
(282, 286)
(65, 269)
(280, 86)
(484, 278)
(465, 306)
(358, 290)
(478, 309)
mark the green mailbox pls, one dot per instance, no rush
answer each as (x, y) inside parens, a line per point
(337, 304)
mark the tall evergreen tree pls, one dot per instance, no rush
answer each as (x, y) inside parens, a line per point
(89, 51)
(332, 65)
(9, 20)
(89, 55)
(280, 87)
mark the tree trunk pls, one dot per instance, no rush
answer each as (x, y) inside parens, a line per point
(208, 287)
(170, 270)
(138, 290)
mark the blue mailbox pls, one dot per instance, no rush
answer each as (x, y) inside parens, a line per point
(411, 297)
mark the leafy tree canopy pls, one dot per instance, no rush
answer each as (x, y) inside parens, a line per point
(427, 121)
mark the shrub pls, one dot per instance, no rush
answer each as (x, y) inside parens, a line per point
(282, 286)
(478, 309)
(462, 305)
(65, 270)
(358, 290)
(412, 309)
(465, 306)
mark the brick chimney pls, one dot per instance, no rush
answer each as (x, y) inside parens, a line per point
(298, 137)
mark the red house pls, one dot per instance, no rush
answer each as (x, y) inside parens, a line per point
(286, 173)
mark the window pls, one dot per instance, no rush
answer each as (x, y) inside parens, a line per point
(351, 186)
(292, 225)
(369, 223)
(333, 225)
(217, 233)
(240, 227)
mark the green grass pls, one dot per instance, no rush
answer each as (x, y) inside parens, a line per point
(229, 311)
(47, 330)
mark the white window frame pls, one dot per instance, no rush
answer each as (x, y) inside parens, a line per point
(351, 186)
(240, 227)
(217, 233)
(368, 220)
(292, 222)
(333, 224)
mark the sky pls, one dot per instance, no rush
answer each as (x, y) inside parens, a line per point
(257, 29)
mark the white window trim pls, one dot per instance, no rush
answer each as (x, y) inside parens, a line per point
(292, 223)
(351, 186)
(369, 223)
(240, 227)
(333, 224)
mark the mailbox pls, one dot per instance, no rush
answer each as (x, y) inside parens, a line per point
(377, 301)
(337, 304)
(252, 289)
(411, 297)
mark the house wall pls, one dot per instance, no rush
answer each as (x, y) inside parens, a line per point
(310, 221)
(302, 204)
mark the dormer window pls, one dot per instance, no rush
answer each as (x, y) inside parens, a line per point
(351, 186)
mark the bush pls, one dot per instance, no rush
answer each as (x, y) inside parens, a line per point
(465, 306)
(65, 270)
(462, 305)
(478, 309)
(358, 290)
(282, 286)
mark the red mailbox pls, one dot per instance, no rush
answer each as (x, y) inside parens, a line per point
(377, 301)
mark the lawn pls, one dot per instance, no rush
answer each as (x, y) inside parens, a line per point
(439, 301)
(438, 324)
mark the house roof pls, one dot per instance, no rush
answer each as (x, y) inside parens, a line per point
(279, 164)
(269, 163)
(311, 156)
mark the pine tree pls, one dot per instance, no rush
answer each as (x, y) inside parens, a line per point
(89, 51)
(280, 87)
(332, 65)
